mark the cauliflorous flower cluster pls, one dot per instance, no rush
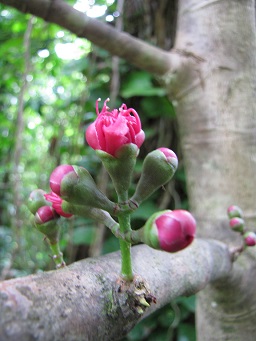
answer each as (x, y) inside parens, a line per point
(116, 137)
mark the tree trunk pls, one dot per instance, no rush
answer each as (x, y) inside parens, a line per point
(216, 110)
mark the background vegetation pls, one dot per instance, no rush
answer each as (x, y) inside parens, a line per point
(49, 83)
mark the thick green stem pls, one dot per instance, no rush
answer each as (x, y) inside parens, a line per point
(125, 247)
(57, 255)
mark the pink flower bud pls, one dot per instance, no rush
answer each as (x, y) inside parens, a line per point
(75, 185)
(57, 176)
(250, 238)
(171, 157)
(237, 224)
(170, 231)
(36, 200)
(158, 168)
(45, 214)
(57, 204)
(113, 129)
(234, 211)
(176, 230)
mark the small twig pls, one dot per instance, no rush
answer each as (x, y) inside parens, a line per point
(235, 251)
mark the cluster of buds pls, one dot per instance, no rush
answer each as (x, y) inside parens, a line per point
(237, 224)
(116, 136)
(45, 219)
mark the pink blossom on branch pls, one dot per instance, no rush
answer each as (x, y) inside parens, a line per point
(176, 230)
(168, 230)
(237, 224)
(250, 238)
(57, 176)
(171, 157)
(113, 129)
(234, 212)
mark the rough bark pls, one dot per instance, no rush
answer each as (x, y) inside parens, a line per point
(84, 302)
(216, 112)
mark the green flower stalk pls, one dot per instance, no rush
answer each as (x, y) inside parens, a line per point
(46, 222)
(67, 209)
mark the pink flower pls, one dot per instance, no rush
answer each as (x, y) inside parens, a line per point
(57, 176)
(176, 230)
(57, 204)
(45, 214)
(113, 129)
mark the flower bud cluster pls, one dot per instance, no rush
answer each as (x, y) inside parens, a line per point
(237, 224)
(116, 136)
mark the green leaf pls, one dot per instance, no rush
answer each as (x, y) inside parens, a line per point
(145, 210)
(110, 245)
(75, 65)
(139, 83)
(187, 302)
(154, 107)
(186, 332)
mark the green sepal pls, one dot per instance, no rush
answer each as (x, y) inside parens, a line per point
(156, 172)
(51, 230)
(37, 200)
(148, 233)
(79, 188)
(120, 168)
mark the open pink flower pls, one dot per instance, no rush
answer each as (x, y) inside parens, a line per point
(57, 204)
(113, 129)
(176, 230)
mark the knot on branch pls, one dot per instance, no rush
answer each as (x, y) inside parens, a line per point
(134, 295)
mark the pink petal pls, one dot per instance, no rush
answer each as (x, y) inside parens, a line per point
(115, 135)
(57, 176)
(139, 138)
(91, 136)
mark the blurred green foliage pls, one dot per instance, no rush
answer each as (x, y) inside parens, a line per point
(66, 76)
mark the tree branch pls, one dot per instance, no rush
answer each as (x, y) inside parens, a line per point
(86, 301)
(121, 44)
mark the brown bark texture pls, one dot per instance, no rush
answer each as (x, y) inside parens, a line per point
(87, 300)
